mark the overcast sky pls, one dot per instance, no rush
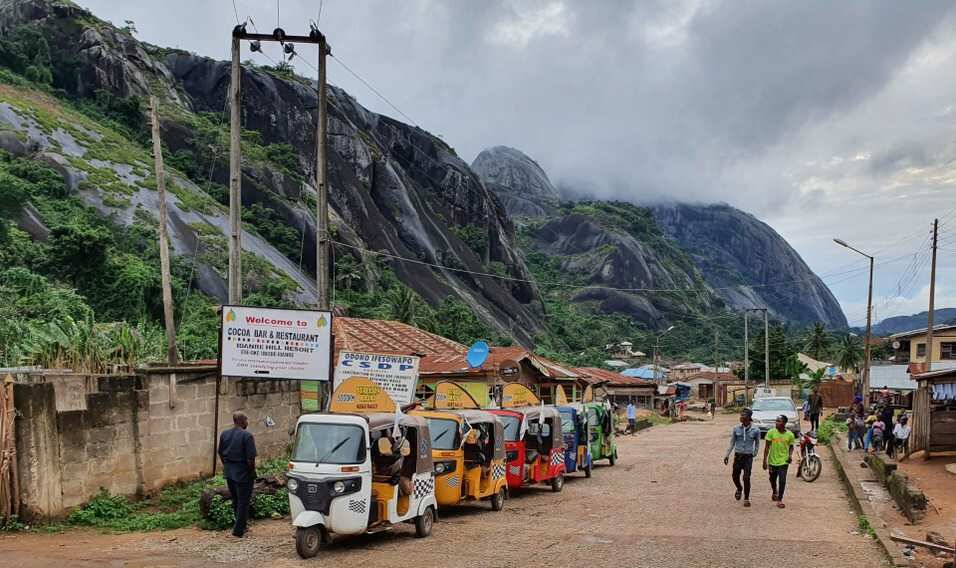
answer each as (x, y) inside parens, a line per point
(823, 119)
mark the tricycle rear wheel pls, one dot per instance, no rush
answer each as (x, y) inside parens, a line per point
(498, 500)
(557, 483)
(613, 458)
(424, 522)
(308, 541)
(587, 470)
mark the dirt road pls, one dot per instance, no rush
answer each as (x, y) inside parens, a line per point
(667, 503)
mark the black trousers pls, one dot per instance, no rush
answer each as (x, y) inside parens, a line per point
(814, 422)
(241, 492)
(778, 479)
(743, 463)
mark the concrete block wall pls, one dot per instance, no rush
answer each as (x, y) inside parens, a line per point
(128, 439)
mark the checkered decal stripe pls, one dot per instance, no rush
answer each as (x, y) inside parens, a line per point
(452, 481)
(498, 471)
(557, 458)
(357, 506)
(424, 487)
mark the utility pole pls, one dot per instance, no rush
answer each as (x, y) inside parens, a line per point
(321, 184)
(716, 347)
(746, 356)
(288, 43)
(865, 383)
(235, 177)
(932, 300)
(172, 357)
(766, 350)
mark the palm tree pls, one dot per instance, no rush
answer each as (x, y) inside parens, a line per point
(817, 342)
(793, 368)
(849, 353)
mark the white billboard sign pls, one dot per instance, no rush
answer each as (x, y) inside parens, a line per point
(396, 374)
(265, 343)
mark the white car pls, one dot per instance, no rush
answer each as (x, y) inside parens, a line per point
(768, 408)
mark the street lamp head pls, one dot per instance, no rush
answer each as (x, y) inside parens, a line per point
(670, 328)
(841, 242)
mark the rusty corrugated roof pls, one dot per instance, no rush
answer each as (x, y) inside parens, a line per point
(596, 375)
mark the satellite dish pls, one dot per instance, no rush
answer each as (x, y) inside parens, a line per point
(477, 354)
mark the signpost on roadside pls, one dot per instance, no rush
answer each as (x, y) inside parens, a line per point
(266, 343)
(397, 375)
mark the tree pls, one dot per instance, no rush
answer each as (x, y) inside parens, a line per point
(780, 353)
(794, 367)
(849, 353)
(817, 342)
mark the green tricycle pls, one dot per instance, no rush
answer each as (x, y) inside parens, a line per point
(601, 431)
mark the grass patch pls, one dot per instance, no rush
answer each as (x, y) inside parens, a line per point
(176, 506)
(828, 428)
(865, 527)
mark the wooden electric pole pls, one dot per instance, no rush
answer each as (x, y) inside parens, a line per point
(766, 350)
(172, 356)
(235, 177)
(930, 319)
(321, 184)
(746, 356)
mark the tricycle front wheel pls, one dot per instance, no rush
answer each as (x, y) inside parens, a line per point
(308, 541)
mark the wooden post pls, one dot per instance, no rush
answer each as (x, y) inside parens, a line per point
(172, 356)
(235, 181)
(931, 317)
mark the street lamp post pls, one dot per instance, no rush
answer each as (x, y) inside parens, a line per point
(657, 354)
(869, 321)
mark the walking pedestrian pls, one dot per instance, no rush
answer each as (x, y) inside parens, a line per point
(237, 450)
(744, 443)
(814, 408)
(901, 436)
(777, 455)
(631, 417)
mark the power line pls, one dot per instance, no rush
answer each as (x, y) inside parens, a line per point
(374, 90)
(236, 12)
(575, 286)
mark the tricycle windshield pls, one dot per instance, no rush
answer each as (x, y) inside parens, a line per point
(592, 416)
(567, 421)
(512, 425)
(329, 443)
(444, 433)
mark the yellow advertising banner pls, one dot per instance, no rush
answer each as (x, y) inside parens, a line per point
(588, 394)
(450, 395)
(360, 395)
(515, 394)
(560, 398)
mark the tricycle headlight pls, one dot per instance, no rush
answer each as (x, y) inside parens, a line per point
(292, 484)
(439, 468)
(338, 487)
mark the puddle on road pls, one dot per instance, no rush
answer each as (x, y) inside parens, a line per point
(875, 492)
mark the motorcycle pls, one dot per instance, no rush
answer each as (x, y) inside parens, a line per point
(810, 463)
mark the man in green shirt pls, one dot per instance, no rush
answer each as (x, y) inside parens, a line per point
(777, 454)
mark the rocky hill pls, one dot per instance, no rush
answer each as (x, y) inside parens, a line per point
(519, 182)
(898, 324)
(734, 259)
(394, 188)
(78, 203)
(748, 264)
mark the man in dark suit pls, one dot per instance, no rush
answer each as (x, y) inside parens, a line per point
(237, 450)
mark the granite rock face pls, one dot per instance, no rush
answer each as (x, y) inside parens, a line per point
(393, 188)
(732, 248)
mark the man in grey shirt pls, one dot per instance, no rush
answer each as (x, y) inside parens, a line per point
(744, 443)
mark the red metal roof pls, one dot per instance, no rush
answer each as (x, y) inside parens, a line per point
(596, 375)
(390, 337)
(440, 355)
